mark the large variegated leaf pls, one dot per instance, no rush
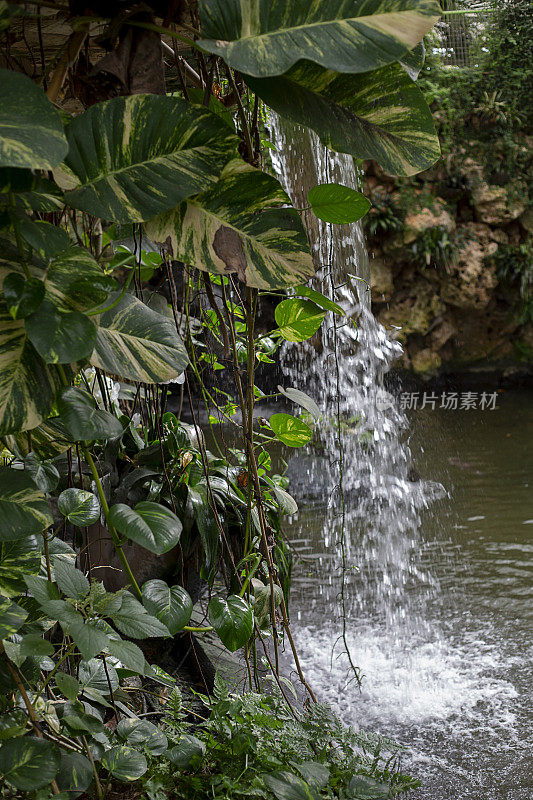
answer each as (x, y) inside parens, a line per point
(381, 115)
(28, 386)
(238, 227)
(267, 37)
(48, 440)
(138, 344)
(23, 508)
(31, 133)
(73, 281)
(133, 157)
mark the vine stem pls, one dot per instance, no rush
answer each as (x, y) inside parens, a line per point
(27, 702)
(114, 536)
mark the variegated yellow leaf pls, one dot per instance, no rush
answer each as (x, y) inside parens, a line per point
(23, 508)
(237, 226)
(133, 157)
(380, 115)
(28, 386)
(138, 344)
(267, 37)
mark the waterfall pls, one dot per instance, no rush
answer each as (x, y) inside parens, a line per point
(358, 547)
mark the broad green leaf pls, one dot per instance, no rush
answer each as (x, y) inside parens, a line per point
(28, 386)
(75, 773)
(12, 617)
(124, 763)
(62, 612)
(41, 589)
(89, 639)
(263, 604)
(23, 508)
(142, 733)
(237, 226)
(80, 507)
(151, 525)
(298, 320)
(232, 619)
(23, 296)
(32, 191)
(287, 786)
(138, 344)
(207, 526)
(361, 787)
(171, 605)
(83, 420)
(381, 115)
(28, 763)
(131, 158)
(71, 581)
(46, 441)
(33, 644)
(133, 620)
(413, 60)
(333, 202)
(67, 685)
(187, 748)
(60, 337)
(128, 653)
(286, 501)
(315, 773)
(73, 281)
(46, 239)
(303, 399)
(318, 298)
(93, 675)
(12, 724)
(290, 430)
(267, 37)
(43, 473)
(31, 133)
(17, 559)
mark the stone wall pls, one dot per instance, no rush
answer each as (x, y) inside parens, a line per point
(435, 271)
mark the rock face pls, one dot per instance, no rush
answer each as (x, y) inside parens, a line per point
(441, 274)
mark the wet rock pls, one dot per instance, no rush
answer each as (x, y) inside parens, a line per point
(414, 309)
(426, 218)
(493, 204)
(471, 278)
(381, 283)
(441, 334)
(426, 363)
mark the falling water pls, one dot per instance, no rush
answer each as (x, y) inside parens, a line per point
(364, 578)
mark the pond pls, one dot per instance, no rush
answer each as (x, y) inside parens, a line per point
(438, 616)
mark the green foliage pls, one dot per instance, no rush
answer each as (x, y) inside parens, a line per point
(98, 322)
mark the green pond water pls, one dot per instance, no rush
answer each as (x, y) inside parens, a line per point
(439, 615)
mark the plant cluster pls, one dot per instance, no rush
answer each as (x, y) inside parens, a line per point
(137, 238)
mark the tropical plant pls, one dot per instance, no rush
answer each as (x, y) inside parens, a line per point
(138, 236)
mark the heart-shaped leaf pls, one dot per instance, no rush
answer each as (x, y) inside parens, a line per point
(138, 344)
(124, 763)
(151, 525)
(187, 748)
(347, 37)
(238, 226)
(318, 298)
(75, 773)
(171, 605)
(43, 473)
(297, 319)
(23, 508)
(27, 763)
(83, 420)
(60, 337)
(131, 158)
(46, 239)
(80, 507)
(31, 133)
(232, 619)
(332, 202)
(290, 430)
(287, 786)
(23, 296)
(142, 733)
